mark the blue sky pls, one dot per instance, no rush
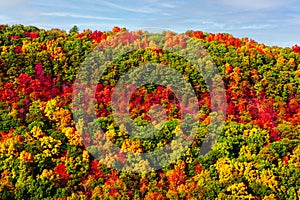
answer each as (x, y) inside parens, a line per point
(271, 22)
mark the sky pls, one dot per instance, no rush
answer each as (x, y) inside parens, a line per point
(272, 22)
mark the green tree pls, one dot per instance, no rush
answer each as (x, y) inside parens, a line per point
(74, 29)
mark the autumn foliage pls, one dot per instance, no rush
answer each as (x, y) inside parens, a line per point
(43, 152)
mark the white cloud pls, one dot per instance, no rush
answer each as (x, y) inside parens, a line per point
(213, 24)
(253, 4)
(81, 26)
(6, 20)
(12, 3)
(162, 4)
(152, 29)
(62, 14)
(94, 26)
(143, 9)
(48, 26)
(260, 26)
(293, 19)
(167, 5)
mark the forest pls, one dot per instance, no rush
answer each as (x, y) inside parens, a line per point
(46, 151)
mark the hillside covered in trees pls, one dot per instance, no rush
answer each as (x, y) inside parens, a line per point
(43, 149)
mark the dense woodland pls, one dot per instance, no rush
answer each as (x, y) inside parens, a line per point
(43, 154)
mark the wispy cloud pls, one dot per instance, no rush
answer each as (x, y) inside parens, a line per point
(253, 4)
(6, 20)
(161, 4)
(142, 9)
(166, 5)
(152, 29)
(81, 26)
(94, 26)
(12, 3)
(258, 26)
(72, 6)
(62, 14)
